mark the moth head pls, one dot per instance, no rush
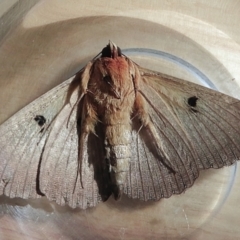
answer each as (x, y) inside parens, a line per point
(111, 51)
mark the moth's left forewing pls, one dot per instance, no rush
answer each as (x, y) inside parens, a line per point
(150, 175)
(198, 128)
(210, 120)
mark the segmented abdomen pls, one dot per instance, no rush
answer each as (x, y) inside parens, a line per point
(118, 154)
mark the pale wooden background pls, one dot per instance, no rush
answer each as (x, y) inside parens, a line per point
(54, 39)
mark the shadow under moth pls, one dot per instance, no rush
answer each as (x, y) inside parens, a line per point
(116, 128)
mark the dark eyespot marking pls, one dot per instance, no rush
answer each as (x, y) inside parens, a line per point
(192, 101)
(40, 120)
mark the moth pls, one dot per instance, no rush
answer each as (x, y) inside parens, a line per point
(117, 128)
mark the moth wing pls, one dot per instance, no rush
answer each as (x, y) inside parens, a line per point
(22, 142)
(212, 126)
(149, 178)
(61, 178)
(199, 129)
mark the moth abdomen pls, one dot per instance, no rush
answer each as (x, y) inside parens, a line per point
(118, 154)
(119, 169)
(119, 157)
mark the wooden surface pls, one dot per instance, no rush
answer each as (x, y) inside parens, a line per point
(55, 39)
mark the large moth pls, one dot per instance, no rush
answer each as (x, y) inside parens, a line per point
(116, 128)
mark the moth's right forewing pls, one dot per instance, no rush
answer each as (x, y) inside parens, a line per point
(22, 141)
(67, 170)
(60, 175)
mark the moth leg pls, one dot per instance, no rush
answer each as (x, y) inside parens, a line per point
(136, 76)
(142, 113)
(87, 121)
(89, 126)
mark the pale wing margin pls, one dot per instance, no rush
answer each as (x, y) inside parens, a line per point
(22, 142)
